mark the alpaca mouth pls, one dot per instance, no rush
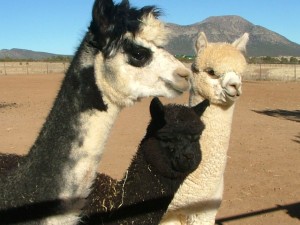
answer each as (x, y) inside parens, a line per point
(184, 165)
(179, 88)
(179, 85)
(231, 97)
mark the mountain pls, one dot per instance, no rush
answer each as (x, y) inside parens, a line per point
(262, 42)
(16, 53)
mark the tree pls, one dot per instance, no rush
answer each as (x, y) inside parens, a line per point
(294, 60)
(284, 60)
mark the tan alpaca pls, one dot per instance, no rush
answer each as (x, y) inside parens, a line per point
(217, 77)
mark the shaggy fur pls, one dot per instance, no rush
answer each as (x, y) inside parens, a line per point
(50, 184)
(168, 153)
(216, 77)
(8, 162)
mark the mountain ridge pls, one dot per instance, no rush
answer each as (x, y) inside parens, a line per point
(18, 53)
(262, 41)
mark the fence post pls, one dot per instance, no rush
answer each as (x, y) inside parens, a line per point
(5, 69)
(27, 65)
(295, 72)
(260, 72)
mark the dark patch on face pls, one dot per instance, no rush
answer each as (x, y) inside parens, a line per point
(137, 55)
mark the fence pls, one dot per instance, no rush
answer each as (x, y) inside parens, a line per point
(28, 68)
(283, 72)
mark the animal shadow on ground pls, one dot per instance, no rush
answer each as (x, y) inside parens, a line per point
(34, 211)
(30, 212)
(297, 139)
(44, 209)
(293, 210)
(293, 115)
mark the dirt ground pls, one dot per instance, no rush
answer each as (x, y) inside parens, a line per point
(262, 179)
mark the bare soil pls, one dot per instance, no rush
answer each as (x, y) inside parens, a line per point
(262, 179)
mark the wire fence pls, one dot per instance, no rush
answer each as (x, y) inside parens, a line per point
(29, 68)
(283, 72)
(280, 72)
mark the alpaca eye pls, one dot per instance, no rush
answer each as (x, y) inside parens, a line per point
(210, 71)
(172, 148)
(138, 56)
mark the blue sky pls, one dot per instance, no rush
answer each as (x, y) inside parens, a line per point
(57, 26)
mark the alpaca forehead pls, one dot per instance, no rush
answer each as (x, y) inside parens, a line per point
(141, 41)
(153, 30)
(181, 115)
(222, 58)
(215, 52)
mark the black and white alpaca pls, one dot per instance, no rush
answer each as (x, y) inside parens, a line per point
(169, 151)
(118, 62)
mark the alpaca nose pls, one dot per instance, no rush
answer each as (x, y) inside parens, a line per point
(183, 72)
(181, 79)
(237, 87)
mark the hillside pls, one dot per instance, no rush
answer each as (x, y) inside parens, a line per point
(263, 42)
(16, 53)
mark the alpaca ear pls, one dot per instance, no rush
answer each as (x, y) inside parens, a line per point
(241, 43)
(102, 13)
(107, 25)
(201, 42)
(105, 11)
(157, 109)
(200, 108)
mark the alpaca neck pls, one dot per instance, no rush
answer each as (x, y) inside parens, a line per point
(214, 143)
(154, 192)
(65, 156)
(217, 120)
(141, 197)
(140, 169)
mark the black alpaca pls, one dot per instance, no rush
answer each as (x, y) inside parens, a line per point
(118, 62)
(169, 151)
